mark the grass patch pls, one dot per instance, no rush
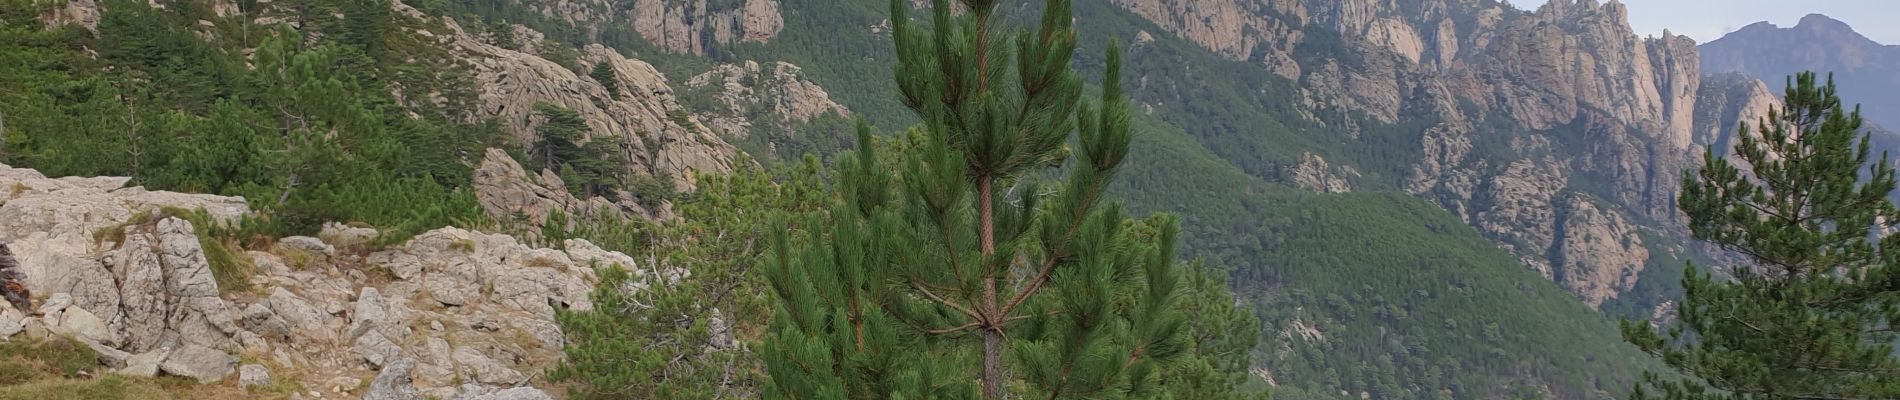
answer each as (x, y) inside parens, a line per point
(463, 245)
(58, 357)
(14, 373)
(297, 259)
(63, 368)
(115, 387)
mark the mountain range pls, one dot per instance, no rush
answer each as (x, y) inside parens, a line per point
(1864, 69)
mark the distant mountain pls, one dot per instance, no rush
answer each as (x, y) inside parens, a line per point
(1868, 72)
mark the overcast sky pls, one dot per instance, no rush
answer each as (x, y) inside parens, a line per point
(1707, 20)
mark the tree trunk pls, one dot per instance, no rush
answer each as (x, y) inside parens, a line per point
(992, 326)
(992, 364)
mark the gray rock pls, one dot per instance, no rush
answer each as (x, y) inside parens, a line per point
(486, 370)
(187, 272)
(307, 244)
(143, 365)
(111, 357)
(455, 285)
(35, 329)
(436, 376)
(438, 351)
(586, 253)
(198, 362)
(376, 349)
(253, 342)
(527, 289)
(142, 290)
(369, 313)
(197, 315)
(259, 318)
(56, 303)
(393, 383)
(83, 324)
(253, 375)
(10, 328)
(475, 392)
(305, 320)
(345, 235)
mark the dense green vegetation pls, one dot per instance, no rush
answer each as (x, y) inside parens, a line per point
(656, 344)
(308, 131)
(1387, 295)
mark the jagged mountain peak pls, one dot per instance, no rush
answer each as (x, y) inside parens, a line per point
(1561, 7)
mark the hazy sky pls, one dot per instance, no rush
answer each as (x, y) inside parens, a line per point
(1707, 20)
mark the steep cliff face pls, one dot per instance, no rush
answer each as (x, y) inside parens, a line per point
(1728, 100)
(1592, 108)
(1600, 253)
(695, 26)
(750, 93)
(681, 26)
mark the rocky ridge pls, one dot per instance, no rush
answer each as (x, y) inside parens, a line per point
(450, 313)
(1314, 173)
(1601, 112)
(749, 93)
(662, 136)
(509, 192)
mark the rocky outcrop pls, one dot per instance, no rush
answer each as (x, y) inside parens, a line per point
(662, 138)
(52, 227)
(1313, 173)
(680, 26)
(509, 193)
(748, 94)
(1600, 253)
(84, 13)
(466, 312)
(1522, 212)
(695, 26)
(1729, 100)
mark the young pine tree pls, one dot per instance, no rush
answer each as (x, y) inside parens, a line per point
(604, 74)
(958, 270)
(1810, 316)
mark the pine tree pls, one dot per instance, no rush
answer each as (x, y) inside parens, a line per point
(315, 110)
(590, 166)
(604, 74)
(961, 269)
(1810, 315)
(365, 23)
